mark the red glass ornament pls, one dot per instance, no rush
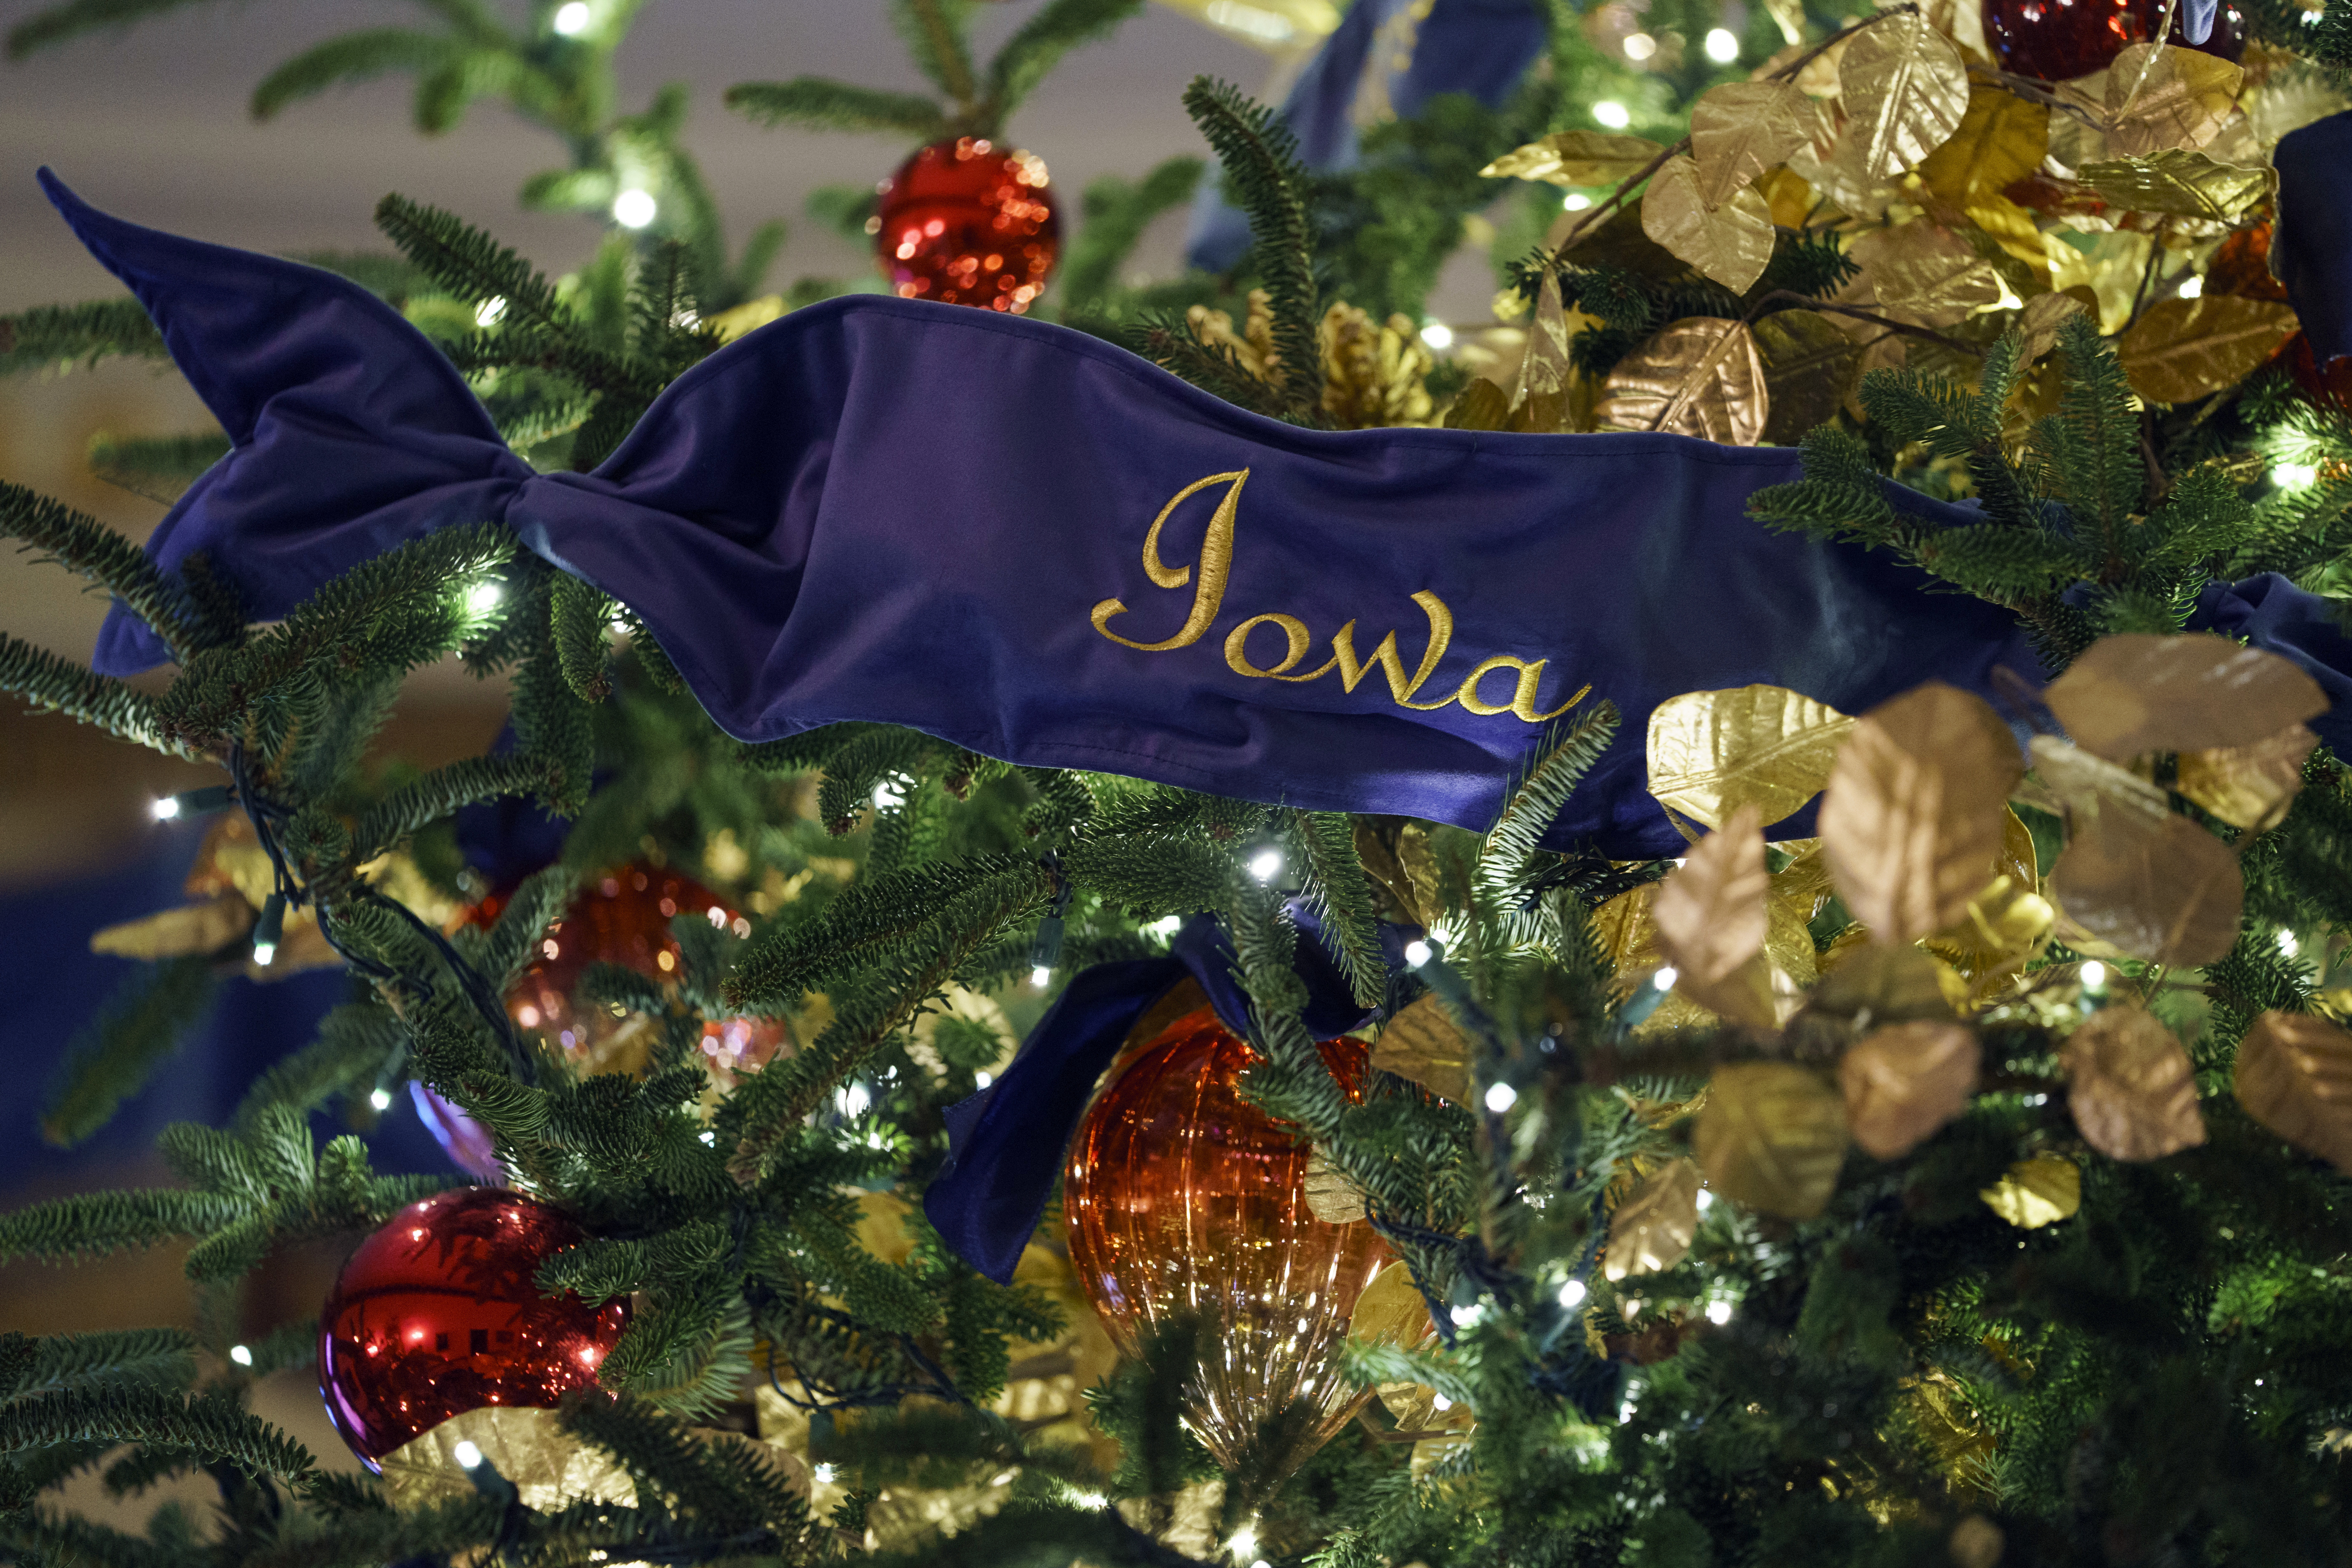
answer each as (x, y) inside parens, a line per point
(1183, 1197)
(966, 224)
(2057, 40)
(437, 1314)
(623, 917)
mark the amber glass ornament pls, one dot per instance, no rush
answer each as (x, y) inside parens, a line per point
(1181, 1197)
(966, 224)
(2057, 40)
(437, 1314)
(623, 917)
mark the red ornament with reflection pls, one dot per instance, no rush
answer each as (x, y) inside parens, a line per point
(2057, 40)
(966, 224)
(437, 1314)
(1183, 1197)
(623, 917)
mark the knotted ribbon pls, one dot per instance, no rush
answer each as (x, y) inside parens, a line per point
(1006, 1143)
(1031, 543)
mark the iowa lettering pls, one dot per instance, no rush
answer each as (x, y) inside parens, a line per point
(1208, 597)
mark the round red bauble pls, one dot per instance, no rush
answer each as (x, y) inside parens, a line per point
(2057, 40)
(1180, 1197)
(437, 1314)
(966, 224)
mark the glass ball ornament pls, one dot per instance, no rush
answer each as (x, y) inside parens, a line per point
(437, 1314)
(1181, 1197)
(2057, 40)
(966, 223)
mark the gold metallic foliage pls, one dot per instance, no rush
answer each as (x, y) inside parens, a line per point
(2037, 1192)
(2131, 1087)
(1904, 1081)
(1712, 753)
(1698, 376)
(2295, 1075)
(1771, 1136)
(1650, 1230)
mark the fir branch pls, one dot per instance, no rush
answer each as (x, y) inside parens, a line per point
(91, 1225)
(1336, 889)
(1162, 878)
(211, 1426)
(1507, 854)
(654, 660)
(1052, 32)
(1264, 177)
(580, 616)
(165, 1357)
(1169, 344)
(446, 790)
(722, 1489)
(820, 103)
(871, 923)
(38, 1536)
(933, 32)
(52, 335)
(159, 468)
(61, 686)
(469, 263)
(84, 546)
(551, 722)
(113, 1055)
(1116, 213)
(346, 60)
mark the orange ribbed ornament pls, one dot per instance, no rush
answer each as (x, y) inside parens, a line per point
(1183, 1198)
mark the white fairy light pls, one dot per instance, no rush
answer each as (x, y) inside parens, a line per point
(1265, 864)
(241, 1355)
(380, 1099)
(634, 208)
(483, 597)
(466, 1455)
(1640, 46)
(490, 311)
(1613, 114)
(1501, 1096)
(572, 18)
(1575, 202)
(1571, 1294)
(1437, 335)
(1417, 952)
(1722, 45)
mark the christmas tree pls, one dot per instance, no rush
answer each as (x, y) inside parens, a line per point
(1785, 1005)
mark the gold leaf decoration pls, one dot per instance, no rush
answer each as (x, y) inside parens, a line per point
(2181, 350)
(1539, 402)
(2139, 692)
(1569, 158)
(1810, 366)
(1914, 809)
(1729, 241)
(2160, 97)
(2131, 1087)
(1331, 1197)
(2081, 785)
(1904, 1081)
(1920, 273)
(2295, 1076)
(1423, 1043)
(2037, 1192)
(1650, 1230)
(1882, 985)
(2249, 786)
(2179, 184)
(1698, 376)
(1994, 925)
(1771, 1136)
(206, 927)
(1391, 1311)
(2040, 321)
(1712, 923)
(1740, 129)
(1481, 406)
(1905, 90)
(1712, 753)
(2167, 891)
(2001, 139)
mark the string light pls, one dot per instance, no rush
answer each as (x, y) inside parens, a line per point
(634, 208)
(1418, 953)
(2293, 476)
(1571, 1294)
(1437, 335)
(2191, 287)
(1265, 864)
(1613, 114)
(1722, 45)
(380, 1099)
(1718, 1313)
(1575, 202)
(241, 1355)
(483, 597)
(1501, 1096)
(491, 311)
(270, 931)
(191, 803)
(1041, 977)
(1664, 978)
(467, 1456)
(1640, 46)
(2094, 976)
(572, 18)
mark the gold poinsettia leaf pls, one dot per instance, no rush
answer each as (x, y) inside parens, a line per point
(2295, 1076)
(2249, 786)
(1728, 242)
(2001, 139)
(207, 927)
(1711, 921)
(2181, 350)
(1979, 933)
(2080, 787)
(1914, 809)
(1920, 273)
(1481, 406)
(1698, 376)
(1905, 90)
(1541, 396)
(1771, 1136)
(1803, 882)
(1650, 1230)
(2140, 692)
(2037, 1192)
(1740, 129)
(2180, 183)
(1423, 1043)
(1391, 1311)
(1712, 753)
(2131, 1087)
(1871, 985)
(2160, 97)
(2167, 891)
(1904, 1081)
(1629, 937)
(1810, 366)
(2039, 323)
(1331, 1197)
(1569, 158)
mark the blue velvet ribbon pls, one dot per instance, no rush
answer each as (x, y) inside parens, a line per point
(1481, 47)
(2311, 250)
(1006, 534)
(2196, 19)
(1006, 1143)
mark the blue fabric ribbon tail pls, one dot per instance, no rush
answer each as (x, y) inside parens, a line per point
(1006, 1143)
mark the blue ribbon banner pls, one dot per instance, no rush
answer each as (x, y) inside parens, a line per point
(1031, 543)
(2311, 250)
